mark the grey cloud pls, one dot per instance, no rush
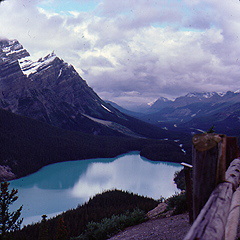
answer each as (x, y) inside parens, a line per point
(99, 61)
(124, 58)
(199, 22)
(141, 13)
(145, 19)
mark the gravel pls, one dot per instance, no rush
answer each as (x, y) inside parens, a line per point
(169, 228)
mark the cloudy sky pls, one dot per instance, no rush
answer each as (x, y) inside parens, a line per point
(134, 51)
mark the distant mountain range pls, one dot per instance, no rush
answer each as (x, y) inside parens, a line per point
(197, 111)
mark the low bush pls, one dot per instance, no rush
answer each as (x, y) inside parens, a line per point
(110, 226)
(177, 203)
(179, 179)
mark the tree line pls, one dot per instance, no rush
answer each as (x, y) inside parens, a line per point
(71, 223)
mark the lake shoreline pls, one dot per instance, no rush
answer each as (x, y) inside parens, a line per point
(7, 175)
(74, 182)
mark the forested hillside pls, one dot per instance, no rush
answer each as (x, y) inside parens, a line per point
(26, 145)
(101, 206)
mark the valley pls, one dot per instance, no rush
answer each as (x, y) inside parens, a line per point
(49, 114)
(196, 112)
(115, 114)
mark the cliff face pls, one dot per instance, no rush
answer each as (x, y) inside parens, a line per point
(50, 90)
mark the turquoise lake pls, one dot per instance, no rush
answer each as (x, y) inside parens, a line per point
(62, 186)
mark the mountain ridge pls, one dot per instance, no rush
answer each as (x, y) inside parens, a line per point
(50, 90)
(26, 145)
(199, 111)
(48, 114)
(193, 97)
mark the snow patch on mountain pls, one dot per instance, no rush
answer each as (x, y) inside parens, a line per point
(60, 73)
(13, 46)
(160, 99)
(221, 94)
(151, 103)
(29, 67)
(11, 50)
(114, 126)
(201, 94)
(106, 108)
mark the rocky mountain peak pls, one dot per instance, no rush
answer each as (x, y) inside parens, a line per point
(163, 99)
(11, 50)
(161, 102)
(201, 95)
(29, 67)
(51, 90)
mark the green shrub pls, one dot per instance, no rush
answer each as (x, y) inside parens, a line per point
(177, 203)
(179, 179)
(110, 226)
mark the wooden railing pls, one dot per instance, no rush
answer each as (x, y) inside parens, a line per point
(216, 192)
(219, 217)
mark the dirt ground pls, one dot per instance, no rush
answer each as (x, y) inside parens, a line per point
(175, 227)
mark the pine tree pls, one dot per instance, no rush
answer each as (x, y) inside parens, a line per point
(62, 232)
(43, 232)
(9, 221)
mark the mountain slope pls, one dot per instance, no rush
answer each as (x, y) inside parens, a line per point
(50, 90)
(124, 110)
(26, 145)
(200, 111)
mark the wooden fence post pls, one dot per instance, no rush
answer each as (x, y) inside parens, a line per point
(188, 181)
(233, 217)
(220, 215)
(209, 166)
(210, 223)
(232, 150)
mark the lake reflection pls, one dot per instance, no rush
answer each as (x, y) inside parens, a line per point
(59, 187)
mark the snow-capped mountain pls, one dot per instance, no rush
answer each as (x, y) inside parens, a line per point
(11, 50)
(50, 90)
(199, 110)
(205, 97)
(201, 95)
(160, 103)
(197, 97)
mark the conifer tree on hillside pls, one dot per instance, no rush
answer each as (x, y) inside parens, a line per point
(62, 232)
(9, 221)
(43, 232)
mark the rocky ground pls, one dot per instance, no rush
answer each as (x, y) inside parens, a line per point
(168, 228)
(159, 227)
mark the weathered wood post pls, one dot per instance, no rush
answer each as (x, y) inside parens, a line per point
(209, 166)
(220, 215)
(188, 181)
(232, 150)
(233, 217)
